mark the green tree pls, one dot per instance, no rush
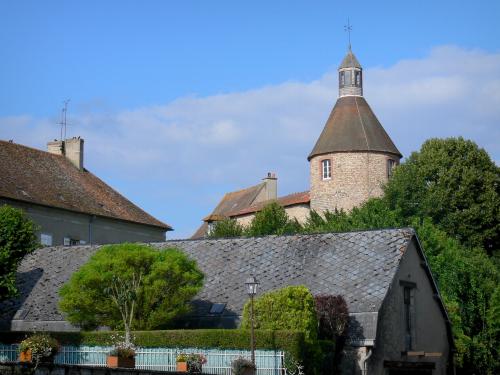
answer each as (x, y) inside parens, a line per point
(17, 238)
(226, 228)
(131, 286)
(272, 219)
(456, 184)
(291, 307)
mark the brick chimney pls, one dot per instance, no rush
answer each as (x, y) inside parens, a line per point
(71, 148)
(271, 189)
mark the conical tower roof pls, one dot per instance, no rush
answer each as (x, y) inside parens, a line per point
(350, 61)
(353, 127)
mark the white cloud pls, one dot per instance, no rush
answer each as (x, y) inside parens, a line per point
(176, 160)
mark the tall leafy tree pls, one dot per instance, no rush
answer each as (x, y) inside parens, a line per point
(456, 184)
(131, 286)
(17, 238)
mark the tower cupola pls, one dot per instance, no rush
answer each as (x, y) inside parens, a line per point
(350, 76)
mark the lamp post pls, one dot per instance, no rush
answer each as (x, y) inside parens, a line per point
(252, 284)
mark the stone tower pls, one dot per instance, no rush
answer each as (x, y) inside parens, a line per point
(353, 157)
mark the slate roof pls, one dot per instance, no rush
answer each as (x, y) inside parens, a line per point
(232, 201)
(285, 201)
(353, 127)
(350, 61)
(358, 265)
(38, 177)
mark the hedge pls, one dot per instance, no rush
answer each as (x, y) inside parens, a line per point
(291, 342)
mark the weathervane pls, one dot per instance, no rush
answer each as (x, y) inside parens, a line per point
(348, 28)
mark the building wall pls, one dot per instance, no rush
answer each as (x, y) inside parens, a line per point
(429, 334)
(83, 227)
(299, 212)
(356, 177)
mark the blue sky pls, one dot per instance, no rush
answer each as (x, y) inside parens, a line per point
(180, 102)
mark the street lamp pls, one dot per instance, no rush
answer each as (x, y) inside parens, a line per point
(252, 284)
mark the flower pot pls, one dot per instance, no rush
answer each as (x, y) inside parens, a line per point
(25, 356)
(182, 366)
(113, 361)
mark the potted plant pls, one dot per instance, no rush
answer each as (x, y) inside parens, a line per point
(243, 366)
(122, 354)
(191, 363)
(38, 348)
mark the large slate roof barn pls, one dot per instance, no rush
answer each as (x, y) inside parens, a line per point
(70, 204)
(397, 319)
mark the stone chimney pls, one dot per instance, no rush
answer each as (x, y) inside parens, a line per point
(71, 148)
(271, 189)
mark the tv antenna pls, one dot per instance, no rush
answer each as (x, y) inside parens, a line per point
(63, 122)
(348, 28)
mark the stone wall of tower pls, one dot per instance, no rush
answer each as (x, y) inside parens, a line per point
(356, 177)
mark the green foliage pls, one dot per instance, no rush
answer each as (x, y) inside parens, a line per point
(289, 341)
(457, 185)
(160, 284)
(291, 307)
(41, 345)
(272, 219)
(226, 228)
(17, 238)
(240, 365)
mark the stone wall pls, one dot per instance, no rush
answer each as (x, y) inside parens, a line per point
(356, 177)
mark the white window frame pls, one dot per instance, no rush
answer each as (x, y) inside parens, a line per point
(46, 239)
(326, 169)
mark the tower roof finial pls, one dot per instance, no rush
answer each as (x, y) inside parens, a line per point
(348, 28)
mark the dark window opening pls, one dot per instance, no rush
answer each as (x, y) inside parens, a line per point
(408, 317)
(217, 308)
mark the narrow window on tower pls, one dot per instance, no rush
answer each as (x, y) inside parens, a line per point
(326, 169)
(358, 79)
(348, 79)
(390, 167)
(341, 79)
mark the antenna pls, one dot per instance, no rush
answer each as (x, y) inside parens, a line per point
(63, 122)
(348, 28)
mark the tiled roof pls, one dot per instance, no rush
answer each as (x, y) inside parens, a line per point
(358, 265)
(285, 201)
(38, 177)
(353, 127)
(233, 201)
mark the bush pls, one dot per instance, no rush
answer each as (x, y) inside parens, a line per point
(272, 219)
(291, 307)
(240, 364)
(17, 238)
(333, 316)
(226, 228)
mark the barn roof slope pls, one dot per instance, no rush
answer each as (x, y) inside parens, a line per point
(358, 265)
